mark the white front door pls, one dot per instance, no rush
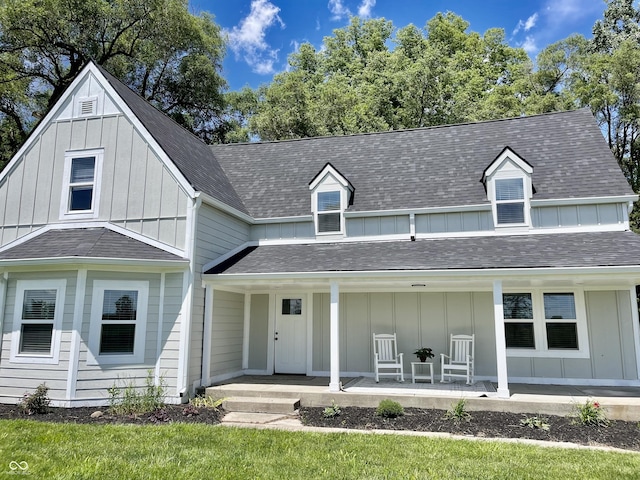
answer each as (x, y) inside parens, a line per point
(291, 334)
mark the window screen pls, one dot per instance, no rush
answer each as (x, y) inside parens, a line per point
(562, 335)
(519, 335)
(328, 219)
(510, 200)
(291, 306)
(119, 311)
(559, 305)
(81, 183)
(38, 311)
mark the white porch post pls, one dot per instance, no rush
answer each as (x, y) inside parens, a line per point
(334, 339)
(501, 345)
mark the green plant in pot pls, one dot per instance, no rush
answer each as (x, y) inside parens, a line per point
(424, 353)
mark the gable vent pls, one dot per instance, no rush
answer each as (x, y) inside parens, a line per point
(87, 106)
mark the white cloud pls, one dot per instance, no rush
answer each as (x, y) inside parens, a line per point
(364, 10)
(529, 45)
(526, 25)
(571, 11)
(531, 22)
(247, 39)
(339, 11)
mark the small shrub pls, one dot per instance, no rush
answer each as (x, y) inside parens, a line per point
(37, 402)
(129, 399)
(190, 410)
(159, 415)
(535, 423)
(458, 411)
(589, 413)
(389, 409)
(206, 402)
(332, 411)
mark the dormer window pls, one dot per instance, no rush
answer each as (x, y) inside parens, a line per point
(331, 193)
(329, 212)
(509, 188)
(80, 192)
(510, 200)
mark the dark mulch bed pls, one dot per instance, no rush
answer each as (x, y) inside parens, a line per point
(170, 413)
(618, 434)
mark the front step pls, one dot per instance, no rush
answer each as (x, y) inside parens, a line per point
(261, 405)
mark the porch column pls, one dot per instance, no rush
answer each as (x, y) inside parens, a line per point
(334, 338)
(501, 345)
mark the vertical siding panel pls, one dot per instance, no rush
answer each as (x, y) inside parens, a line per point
(484, 329)
(94, 133)
(29, 181)
(78, 134)
(152, 187)
(137, 178)
(321, 347)
(604, 334)
(14, 183)
(122, 171)
(625, 322)
(169, 196)
(357, 341)
(110, 141)
(433, 327)
(259, 333)
(406, 314)
(63, 139)
(45, 176)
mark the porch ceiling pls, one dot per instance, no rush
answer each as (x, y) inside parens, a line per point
(596, 258)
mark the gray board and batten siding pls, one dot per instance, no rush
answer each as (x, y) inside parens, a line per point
(137, 191)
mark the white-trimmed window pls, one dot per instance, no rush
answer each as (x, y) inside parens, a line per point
(37, 321)
(329, 212)
(118, 322)
(510, 201)
(545, 324)
(81, 188)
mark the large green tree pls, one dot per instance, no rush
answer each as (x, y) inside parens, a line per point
(169, 56)
(361, 82)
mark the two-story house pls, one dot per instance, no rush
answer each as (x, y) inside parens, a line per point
(128, 246)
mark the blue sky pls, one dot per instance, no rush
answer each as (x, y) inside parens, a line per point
(262, 33)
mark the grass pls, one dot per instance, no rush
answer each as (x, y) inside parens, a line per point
(70, 451)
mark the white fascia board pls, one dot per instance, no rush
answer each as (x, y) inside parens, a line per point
(329, 170)
(583, 200)
(631, 271)
(209, 200)
(418, 211)
(514, 157)
(178, 265)
(296, 219)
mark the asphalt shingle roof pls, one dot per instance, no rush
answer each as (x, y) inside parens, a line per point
(190, 154)
(429, 167)
(86, 243)
(491, 252)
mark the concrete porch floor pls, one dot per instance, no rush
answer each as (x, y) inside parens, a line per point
(621, 403)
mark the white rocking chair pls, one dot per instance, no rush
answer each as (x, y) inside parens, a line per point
(459, 362)
(386, 356)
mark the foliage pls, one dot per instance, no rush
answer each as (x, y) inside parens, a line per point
(536, 422)
(129, 399)
(169, 56)
(36, 402)
(458, 412)
(332, 411)
(204, 401)
(186, 451)
(590, 413)
(357, 83)
(389, 409)
(424, 352)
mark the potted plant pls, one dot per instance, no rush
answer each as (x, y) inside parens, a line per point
(423, 353)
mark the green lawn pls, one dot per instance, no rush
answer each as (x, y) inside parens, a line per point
(56, 451)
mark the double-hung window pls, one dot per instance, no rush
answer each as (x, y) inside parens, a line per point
(329, 211)
(551, 324)
(80, 193)
(510, 203)
(37, 321)
(118, 321)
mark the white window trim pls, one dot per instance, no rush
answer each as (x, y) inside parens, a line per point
(540, 331)
(65, 213)
(322, 188)
(95, 327)
(54, 356)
